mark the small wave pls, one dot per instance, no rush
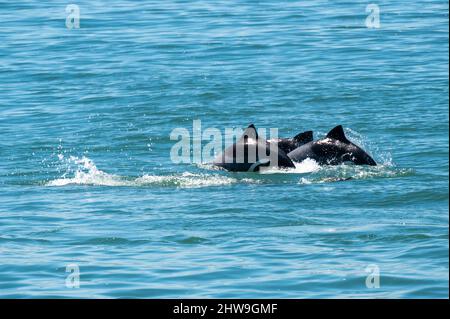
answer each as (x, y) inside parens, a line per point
(111, 241)
(190, 240)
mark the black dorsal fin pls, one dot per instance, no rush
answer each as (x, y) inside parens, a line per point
(250, 132)
(338, 134)
(304, 137)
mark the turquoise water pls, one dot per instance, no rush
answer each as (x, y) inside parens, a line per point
(86, 176)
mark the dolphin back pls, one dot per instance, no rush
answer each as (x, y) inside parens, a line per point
(334, 149)
(251, 153)
(287, 145)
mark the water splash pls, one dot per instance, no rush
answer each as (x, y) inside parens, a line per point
(85, 172)
(345, 172)
(380, 156)
(313, 173)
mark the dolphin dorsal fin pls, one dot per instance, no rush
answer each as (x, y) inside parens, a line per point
(250, 132)
(338, 134)
(304, 137)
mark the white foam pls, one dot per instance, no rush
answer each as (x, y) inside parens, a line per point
(307, 166)
(185, 180)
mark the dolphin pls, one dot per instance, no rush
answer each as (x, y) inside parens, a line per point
(334, 149)
(290, 144)
(251, 152)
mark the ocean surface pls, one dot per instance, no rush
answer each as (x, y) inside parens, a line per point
(93, 206)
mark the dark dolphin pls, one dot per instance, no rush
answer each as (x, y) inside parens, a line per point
(251, 152)
(334, 149)
(290, 144)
